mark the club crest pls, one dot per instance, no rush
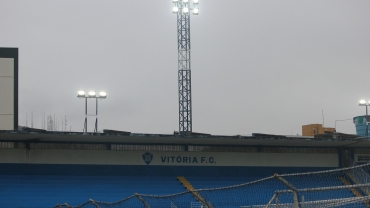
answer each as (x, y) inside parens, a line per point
(147, 157)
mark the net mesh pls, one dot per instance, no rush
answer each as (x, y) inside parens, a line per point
(346, 187)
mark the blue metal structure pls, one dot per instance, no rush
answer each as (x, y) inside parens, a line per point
(361, 125)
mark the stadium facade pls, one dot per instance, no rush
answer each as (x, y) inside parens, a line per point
(40, 161)
(30, 152)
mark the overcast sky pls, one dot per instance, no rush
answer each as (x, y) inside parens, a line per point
(258, 66)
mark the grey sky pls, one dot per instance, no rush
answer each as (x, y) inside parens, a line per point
(257, 66)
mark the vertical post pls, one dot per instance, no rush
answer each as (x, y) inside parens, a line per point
(96, 120)
(367, 122)
(85, 127)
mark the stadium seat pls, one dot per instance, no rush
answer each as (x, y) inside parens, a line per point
(48, 191)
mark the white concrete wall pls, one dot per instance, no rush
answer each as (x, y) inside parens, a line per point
(6, 93)
(107, 157)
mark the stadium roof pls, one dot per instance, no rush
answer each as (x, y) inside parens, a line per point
(335, 140)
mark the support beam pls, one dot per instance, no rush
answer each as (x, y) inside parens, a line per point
(296, 203)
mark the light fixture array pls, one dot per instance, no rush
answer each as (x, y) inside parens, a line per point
(185, 7)
(91, 94)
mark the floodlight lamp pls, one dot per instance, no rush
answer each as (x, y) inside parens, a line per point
(362, 102)
(196, 11)
(175, 1)
(81, 93)
(92, 94)
(185, 10)
(195, 1)
(102, 94)
(175, 9)
(185, 1)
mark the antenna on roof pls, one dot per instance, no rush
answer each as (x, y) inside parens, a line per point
(65, 123)
(322, 117)
(31, 119)
(43, 117)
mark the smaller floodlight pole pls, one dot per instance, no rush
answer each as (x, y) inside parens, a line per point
(96, 119)
(363, 103)
(91, 94)
(85, 126)
(182, 8)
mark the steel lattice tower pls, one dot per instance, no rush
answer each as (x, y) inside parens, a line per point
(184, 66)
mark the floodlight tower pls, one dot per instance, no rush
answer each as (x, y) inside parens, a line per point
(182, 8)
